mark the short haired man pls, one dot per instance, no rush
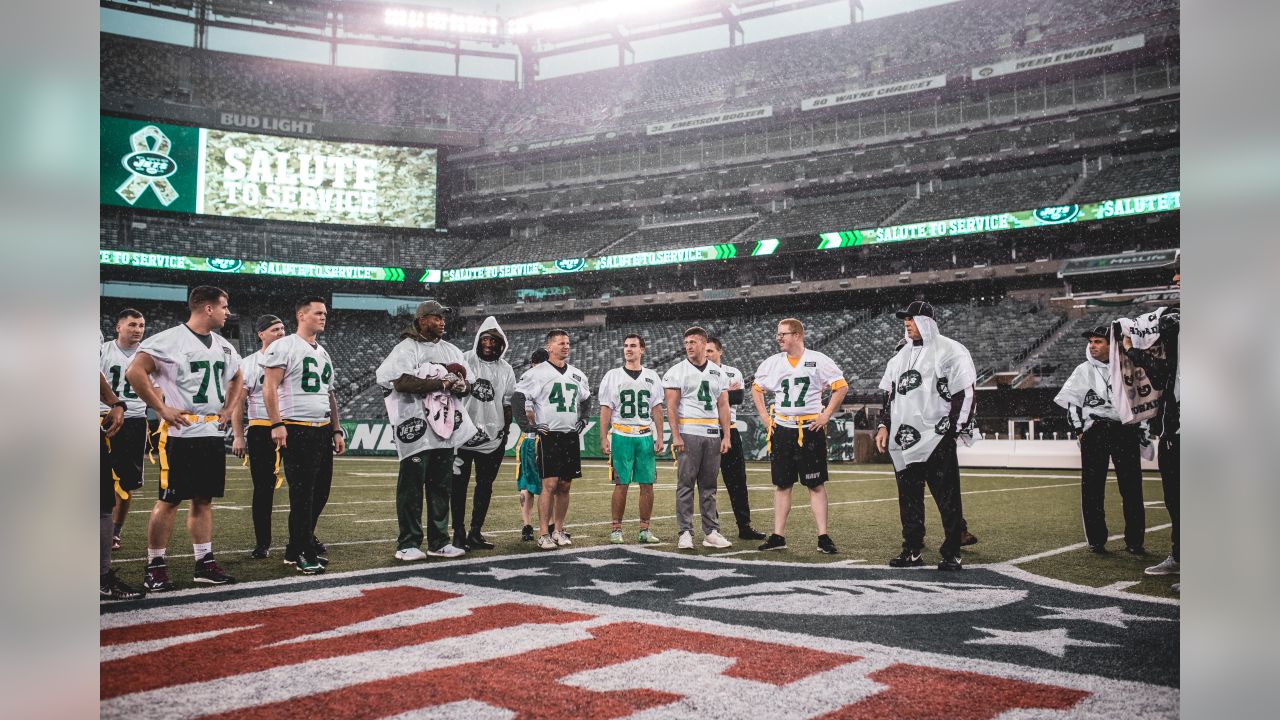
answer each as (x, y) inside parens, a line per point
(930, 403)
(489, 405)
(796, 376)
(628, 396)
(198, 375)
(733, 465)
(110, 587)
(256, 443)
(426, 458)
(297, 391)
(697, 400)
(559, 395)
(528, 479)
(129, 445)
(1103, 439)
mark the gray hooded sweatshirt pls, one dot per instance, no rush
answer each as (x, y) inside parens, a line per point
(492, 384)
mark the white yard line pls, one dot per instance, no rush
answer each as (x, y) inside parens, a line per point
(1075, 546)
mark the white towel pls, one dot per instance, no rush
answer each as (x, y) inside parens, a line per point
(1139, 399)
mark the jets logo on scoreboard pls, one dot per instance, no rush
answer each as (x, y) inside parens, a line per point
(224, 264)
(571, 264)
(1057, 214)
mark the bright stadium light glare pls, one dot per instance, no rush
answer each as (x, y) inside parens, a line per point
(440, 21)
(600, 11)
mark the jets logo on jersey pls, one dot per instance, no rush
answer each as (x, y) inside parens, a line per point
(481, 437)
(578, 377)
(944, 390)
(411, 430)
(811, 363)
(906, 437)
(649, 380)
(942, 426)
(908, 381)
(482, 390)
(714, 372)
(1091, 399)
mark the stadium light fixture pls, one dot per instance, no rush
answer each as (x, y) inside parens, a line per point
(601, 11)
(440, 21)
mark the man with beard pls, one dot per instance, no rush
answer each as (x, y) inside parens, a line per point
(489, 405)
(930, 385)
(1103, 439)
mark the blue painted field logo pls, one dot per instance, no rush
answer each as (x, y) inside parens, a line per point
(1057, 214)
(571, 264)
(224, 264)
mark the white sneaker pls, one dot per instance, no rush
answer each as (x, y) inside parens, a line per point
(410, 554)
(716, 540)
(546, 543)
(561, 538)
(686, 541)
(1167, 567)
(448, 551)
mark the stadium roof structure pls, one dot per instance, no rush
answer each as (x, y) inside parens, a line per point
(573, 27)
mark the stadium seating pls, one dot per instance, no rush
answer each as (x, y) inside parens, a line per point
(1138, 175)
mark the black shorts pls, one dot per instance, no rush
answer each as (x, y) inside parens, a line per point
(192, 468)
(791, 462)
(559, 456)
(128, 448)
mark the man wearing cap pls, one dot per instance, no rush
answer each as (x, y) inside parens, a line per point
(426, 459)
(1104, 439)
(930, 385)
(263, 455)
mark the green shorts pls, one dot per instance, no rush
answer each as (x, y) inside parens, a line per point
(529, 478)
(632, 459)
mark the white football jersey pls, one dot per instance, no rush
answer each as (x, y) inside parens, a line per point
(700, 392)
(114, 361)
(303, 393)
(797, 387)
(192, 377)
(554, 393)
(735, 378)
(632, 399)
(251, 372)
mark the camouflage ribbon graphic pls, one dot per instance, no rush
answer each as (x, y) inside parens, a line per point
(149, 165)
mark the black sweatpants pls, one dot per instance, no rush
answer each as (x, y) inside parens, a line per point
(264, 470)
(941, 472)
(308, 468)
(733, 470)
(1170, 459)
(1119, 444)
(487, 466)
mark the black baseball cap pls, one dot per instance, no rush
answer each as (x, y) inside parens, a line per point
(265, 321)
(539, 356)
(917, 307)
(1102, 331)
(431, 307)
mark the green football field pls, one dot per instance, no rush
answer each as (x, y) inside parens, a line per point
(1028, 517)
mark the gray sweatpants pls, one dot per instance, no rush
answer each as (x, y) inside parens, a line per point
(698, 465)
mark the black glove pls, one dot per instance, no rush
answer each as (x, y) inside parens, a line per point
(579, 426)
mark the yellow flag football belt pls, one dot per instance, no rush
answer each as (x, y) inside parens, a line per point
(799, 420)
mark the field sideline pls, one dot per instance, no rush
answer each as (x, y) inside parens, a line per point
(1028, 517)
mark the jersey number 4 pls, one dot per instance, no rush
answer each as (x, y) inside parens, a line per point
(704, 394)
(557, 397)
(802, 389)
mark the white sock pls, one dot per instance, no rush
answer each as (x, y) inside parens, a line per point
(202, 549)
(153, 553)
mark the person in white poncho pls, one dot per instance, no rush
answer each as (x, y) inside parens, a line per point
(930, 385)
(1103, 439)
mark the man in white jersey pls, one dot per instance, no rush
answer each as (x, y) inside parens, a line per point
(297, 391)
(930, 404)
(559, 397)
(264, 456)
(628, 396)
(198, 375)
(129, 446)
(110, 587)
(697, 401)
(796, 377)
(426, 460)
(733, 465)
(489, 405)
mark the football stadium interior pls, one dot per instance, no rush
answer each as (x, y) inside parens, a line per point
(1013, 162)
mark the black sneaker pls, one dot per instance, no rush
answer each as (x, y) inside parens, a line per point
(950, 562)
(750, 533)
(908, 558)
(526, 533)
(318, 548)
(826, 546)
(1136, 550)
(113, 588)
(774, 542)
(1098, 549)
(476, 541)
(155, 578)
(968, 538)
(208, 572)
(259, 553)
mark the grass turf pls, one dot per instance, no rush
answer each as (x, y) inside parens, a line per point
(1015, 513)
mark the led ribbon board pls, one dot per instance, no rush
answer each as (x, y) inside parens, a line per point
(156, 166)
(250, 267)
